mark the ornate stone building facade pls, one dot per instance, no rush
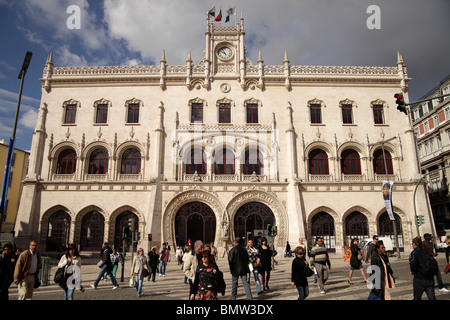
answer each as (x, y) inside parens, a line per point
(219, 149)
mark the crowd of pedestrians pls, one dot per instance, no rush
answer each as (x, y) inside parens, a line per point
(247, 262)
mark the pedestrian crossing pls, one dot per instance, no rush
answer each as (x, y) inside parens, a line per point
(172, 286)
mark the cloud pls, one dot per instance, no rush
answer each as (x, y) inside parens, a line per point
(29, 119)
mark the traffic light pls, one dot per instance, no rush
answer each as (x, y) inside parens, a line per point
(269, 230)
(149, 237)
(274, 231)
(126, 232)
(401, 105)
(420, 220)
(131, 224)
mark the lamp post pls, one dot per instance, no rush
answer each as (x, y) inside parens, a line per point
(23, 71)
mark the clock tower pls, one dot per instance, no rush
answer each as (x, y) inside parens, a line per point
(225, 51)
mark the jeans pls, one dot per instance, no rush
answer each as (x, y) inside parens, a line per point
(138, 283)
(303, 292)
(234, 285)
(104, 270)
(162, 267)
(257, 282)
(423, 285)
(68, 293)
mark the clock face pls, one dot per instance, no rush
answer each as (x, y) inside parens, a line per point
(224, 53)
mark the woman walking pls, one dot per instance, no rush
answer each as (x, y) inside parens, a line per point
(70, 259)
(381, 260)
(205, 282)
(356, 260)
(153, 258)
(139, 270)
(265, 263)
(298, 274)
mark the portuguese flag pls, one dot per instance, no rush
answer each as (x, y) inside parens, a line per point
(219, 16)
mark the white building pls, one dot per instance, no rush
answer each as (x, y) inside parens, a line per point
(219, 149)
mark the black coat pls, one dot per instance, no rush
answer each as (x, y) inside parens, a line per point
(354, 262)
(238, 261)
(298, 272)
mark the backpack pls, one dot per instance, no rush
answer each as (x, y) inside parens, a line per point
(428, 265)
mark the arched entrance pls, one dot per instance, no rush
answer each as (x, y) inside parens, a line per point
(121, 222)
(252, 219)
(92, 231)
(58, 230)
(195, 221)
(356, 226)
(387, 230)
(322, 224)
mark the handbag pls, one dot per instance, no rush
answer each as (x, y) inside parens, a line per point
(60, 275)
(373, 296)
(145, 273)
(309, 272)
(447, 268)
(100, 264)
(132, 283)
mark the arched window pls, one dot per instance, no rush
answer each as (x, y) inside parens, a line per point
(131, 162)
(195, 161)
(350, 162)
(67, 162)
(356, 226)
(253, 162)
(224, 162)
(322, 224)
(378, 162)
(318, 162)
(98, 162)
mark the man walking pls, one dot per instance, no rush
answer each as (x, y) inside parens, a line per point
(164, 256)
(106, 267)
(429, 247)
(421, 282)
(190, 266)
(238, 261)
(320, 260)
(371, 249)
(27, 267)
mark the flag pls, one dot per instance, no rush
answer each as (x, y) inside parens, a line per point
(230, 12)
(212, 12)
(387, 197)
(219, 16)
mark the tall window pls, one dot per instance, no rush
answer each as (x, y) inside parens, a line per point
(378, 162)
(252, 113)
(253, 162)
(98, 162)
(318, 162)
(133, 113)
(197, 113)
(350, 162)
(196, 161)
(347, 114)
(316, 114)
(378, 115)
(71, 112)
(224, 162)
(102, 113)
(131, 162)
(224, 113)
(67, 162)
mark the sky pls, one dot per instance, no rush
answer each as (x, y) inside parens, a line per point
(135, 32)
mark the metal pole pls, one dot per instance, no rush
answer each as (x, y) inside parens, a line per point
(7, 171)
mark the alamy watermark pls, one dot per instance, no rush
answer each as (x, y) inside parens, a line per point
(74, 20)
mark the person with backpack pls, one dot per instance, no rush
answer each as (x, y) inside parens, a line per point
(429, 247)
(423, 278)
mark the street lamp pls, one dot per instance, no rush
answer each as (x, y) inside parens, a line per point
(23, 71)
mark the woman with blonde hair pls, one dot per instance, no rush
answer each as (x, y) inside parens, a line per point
(140, 269)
